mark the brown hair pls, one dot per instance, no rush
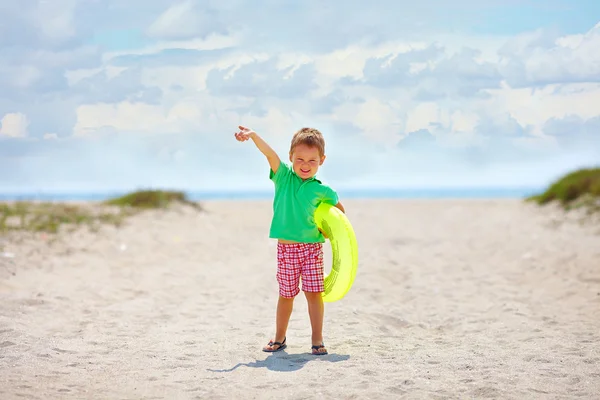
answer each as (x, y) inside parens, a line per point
(309, 137)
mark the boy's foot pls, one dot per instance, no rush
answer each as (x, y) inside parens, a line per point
(272, 347)
(319, 350)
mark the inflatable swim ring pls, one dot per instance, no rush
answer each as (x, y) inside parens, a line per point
(344, 249)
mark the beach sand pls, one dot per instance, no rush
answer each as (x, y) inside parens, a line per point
(453, 299)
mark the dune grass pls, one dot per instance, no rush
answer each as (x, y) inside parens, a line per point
(147, 199)
(49, 217)
(579, 188)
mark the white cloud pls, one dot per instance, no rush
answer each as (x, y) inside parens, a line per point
(539, 58)
(50, 136)
(534, 107)
(123, 117)
(423, 115)
(213, 41)
(56, 20)
(185, 20)
(464, 121)
(14, 125)
(377, 120)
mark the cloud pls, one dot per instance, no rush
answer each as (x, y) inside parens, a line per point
(541, 58)
(431, 72)
(126, 85)
(171, 57)
(314, 26)
(532, 107)
(500, 124)
(29, 72)
(460, 75)
(126, 117)
(186, 20)
(418, 140)
(572, 131)
(40, 24)
(399, 69)
(262, 79)
(14, 125)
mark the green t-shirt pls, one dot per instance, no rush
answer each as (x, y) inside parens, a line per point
(294, 205)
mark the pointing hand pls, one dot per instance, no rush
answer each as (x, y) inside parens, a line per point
(244, 134)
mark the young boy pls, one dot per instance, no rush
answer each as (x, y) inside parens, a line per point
(299, 241)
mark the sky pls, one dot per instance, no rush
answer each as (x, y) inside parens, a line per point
(121, 95)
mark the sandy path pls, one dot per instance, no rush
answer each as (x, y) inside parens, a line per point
(469, 299)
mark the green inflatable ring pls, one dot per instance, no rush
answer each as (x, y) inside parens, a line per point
(334, 223)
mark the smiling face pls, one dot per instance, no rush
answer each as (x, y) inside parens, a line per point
(306, 160)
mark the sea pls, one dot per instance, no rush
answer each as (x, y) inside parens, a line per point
(412, 193)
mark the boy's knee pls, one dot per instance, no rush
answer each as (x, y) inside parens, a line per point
(313, 296)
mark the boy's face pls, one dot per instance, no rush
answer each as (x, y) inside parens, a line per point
(306, 161)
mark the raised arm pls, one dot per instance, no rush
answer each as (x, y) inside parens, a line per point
(272, 157)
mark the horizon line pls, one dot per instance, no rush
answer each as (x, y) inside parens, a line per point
(246, 194)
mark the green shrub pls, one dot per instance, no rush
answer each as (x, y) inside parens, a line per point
(582, 186)
(147, 199)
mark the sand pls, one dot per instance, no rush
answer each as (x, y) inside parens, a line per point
(453, 299)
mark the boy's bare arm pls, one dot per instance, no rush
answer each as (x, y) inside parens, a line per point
(272, 157)
(264, 148)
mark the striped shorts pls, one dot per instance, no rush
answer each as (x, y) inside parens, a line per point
(299, 260)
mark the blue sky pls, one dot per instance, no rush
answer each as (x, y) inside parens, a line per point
(106, 94)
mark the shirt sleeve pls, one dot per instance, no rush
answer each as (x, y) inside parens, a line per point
(283, 171)
(329, 196)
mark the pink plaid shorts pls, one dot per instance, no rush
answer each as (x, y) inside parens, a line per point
(295, 260)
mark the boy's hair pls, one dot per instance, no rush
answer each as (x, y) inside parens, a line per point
(309, 137)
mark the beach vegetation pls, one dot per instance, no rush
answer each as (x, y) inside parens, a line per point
(49, 217)
(580, 188)
(148, 199)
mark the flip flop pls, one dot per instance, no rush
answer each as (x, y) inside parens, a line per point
(281, 345)
(316, 348)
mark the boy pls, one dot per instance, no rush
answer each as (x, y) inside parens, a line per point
(299, 241)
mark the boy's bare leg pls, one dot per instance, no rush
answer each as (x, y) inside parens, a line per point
(284, 312)
(316, 312)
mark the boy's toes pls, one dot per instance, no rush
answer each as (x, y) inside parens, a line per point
(274, 346)
(270, 346)
(319, 350)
